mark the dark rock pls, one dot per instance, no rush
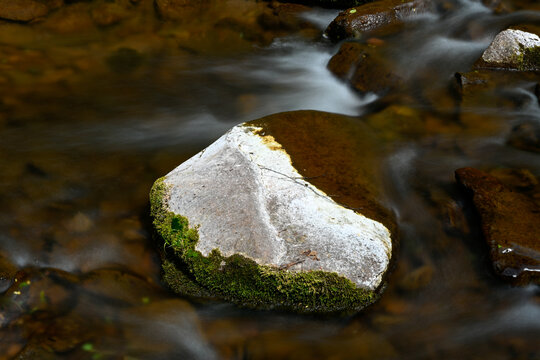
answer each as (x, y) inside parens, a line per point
(22, 10)
(365, 68)
(526, 136)
(510, 225)
(384, 16)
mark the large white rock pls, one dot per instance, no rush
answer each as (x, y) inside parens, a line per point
(509, 47)
(248, 199)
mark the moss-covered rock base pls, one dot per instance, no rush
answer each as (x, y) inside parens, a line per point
(241, 280)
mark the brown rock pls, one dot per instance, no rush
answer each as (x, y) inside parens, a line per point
(510, 225)
(384, 16)
(22, 10)
(365, 67)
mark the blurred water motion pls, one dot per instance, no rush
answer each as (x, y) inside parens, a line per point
(79, 155)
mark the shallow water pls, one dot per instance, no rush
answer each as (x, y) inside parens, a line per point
(79, 155)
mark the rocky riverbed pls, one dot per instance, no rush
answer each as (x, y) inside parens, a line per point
(98, 99)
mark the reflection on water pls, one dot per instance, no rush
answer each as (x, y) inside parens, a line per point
(79, 154)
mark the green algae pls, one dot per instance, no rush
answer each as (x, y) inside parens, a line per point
(241, 280)
(529, 59)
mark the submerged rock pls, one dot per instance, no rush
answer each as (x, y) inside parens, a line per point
(510, 225)
(526, 136)
(512, 49)
(253, 219)
(383, 16)
(486, 88)
(365, 68)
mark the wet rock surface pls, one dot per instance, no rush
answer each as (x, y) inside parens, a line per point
(380, 16)
(512, 49)
(365, 68)
(510, 224)
(244, 195)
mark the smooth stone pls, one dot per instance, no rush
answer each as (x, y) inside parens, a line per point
(245, 195)
(510, 225)
(512, 49)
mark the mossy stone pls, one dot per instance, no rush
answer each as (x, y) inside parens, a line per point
(241, 280)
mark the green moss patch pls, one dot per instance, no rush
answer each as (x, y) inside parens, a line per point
(529, 59)
(241, 280)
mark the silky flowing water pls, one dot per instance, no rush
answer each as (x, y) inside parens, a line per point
(78, 158)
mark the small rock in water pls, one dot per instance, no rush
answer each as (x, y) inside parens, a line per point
(254, 220)
(512, 49)
(365, 68)
(510, 225)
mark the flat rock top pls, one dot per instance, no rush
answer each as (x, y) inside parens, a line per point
(269, 189)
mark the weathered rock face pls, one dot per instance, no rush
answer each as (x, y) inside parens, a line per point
(512, 49)
(383, 16)
(265, 230)
(510, 223)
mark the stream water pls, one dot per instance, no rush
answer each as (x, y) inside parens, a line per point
(78, 159)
